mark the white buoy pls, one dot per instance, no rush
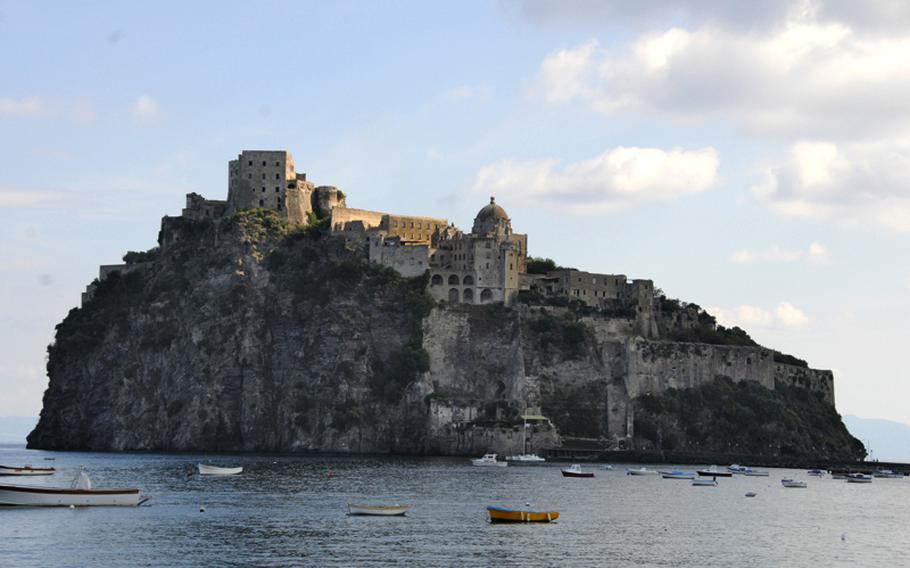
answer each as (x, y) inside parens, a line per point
(201, 508)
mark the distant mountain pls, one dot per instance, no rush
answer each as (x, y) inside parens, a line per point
(885, 440)
(14, 429)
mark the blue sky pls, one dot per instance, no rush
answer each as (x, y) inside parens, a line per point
(752, 161)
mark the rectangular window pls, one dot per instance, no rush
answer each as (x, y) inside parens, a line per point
(277, 176)
(263, 190)
(263, 162)
(277, 164)
(276, 189)
(249, 176)
(251, 162)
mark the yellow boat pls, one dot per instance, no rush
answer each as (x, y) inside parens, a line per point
(502, 515)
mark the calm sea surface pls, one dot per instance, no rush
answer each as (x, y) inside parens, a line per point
(292, 511)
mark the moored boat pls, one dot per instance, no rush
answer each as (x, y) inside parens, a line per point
(26, 470)
(378, 510)
(704, 482)
(503, 515)
(206, 469)
(488, 460)
(525, 459)
(641, 471)
(606, 467)
(575, 470)
(793, 483)
(859, 478)
(887, 474)
(736, 468)
(755, 473)
(79, 494)
(714, 472)
(676, 474)
(817, 472)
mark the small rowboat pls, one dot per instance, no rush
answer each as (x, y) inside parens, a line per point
(704, 482)
(26, 470)
(755, 473)
(574, 470)
(32, 496)
(793, 483)
(501, 515)
(205, 469)
(378, 510)
(79, 494)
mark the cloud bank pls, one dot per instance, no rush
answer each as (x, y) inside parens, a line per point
(785, 315)
(614, 180)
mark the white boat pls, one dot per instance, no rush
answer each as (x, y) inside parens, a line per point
(606, 467)
(704, 482)
(378, 510)
(817, 472)
(575, 470)
(641, 471)
(205, 469)
(793, 483)
(79, 494)
(887, 474)
(859, 478)
(488, 460)
(26, 470)
(714, 472)
(755, 473)
(525, 459)
(736, 468)
(676, 474)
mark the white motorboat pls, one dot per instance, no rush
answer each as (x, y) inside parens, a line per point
(79, 494)
(859, 478)
(736, 468)
(26, 470)
(677, 474)
(817, 472)
(525, 459)
(755, 473)
(488, 460)
(714, 472)
(887, 474)
(378, 510)
(793, 483)
(704, 482)
(641, 471)
(205, 469)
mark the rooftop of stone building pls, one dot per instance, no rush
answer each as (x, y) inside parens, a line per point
(492, 211)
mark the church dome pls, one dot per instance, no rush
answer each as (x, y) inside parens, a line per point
(492, 212)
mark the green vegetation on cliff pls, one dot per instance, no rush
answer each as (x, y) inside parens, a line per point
(743, 418)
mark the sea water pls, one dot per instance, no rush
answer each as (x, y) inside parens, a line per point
(292, 510)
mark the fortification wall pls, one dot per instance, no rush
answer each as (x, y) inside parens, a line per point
(815, 380)
(344, 217)
(409, 261)
(655, 366)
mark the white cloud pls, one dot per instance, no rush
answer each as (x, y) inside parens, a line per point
(814, 254)
(613, 180)
(21, 107)
(13, 197)
(804, 77)
(480, 93)
(851, 184)
(146, 108)
(868, 15)
(748, 317)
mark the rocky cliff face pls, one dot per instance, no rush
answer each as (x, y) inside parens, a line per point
(245, 335)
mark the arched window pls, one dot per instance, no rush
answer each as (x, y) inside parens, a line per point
(453, 295)
(486, 296)
(468, 280)
(453, 280)
(436, 280)
(469, 295)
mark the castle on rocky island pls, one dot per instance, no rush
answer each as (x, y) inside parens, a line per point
(486, 265)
